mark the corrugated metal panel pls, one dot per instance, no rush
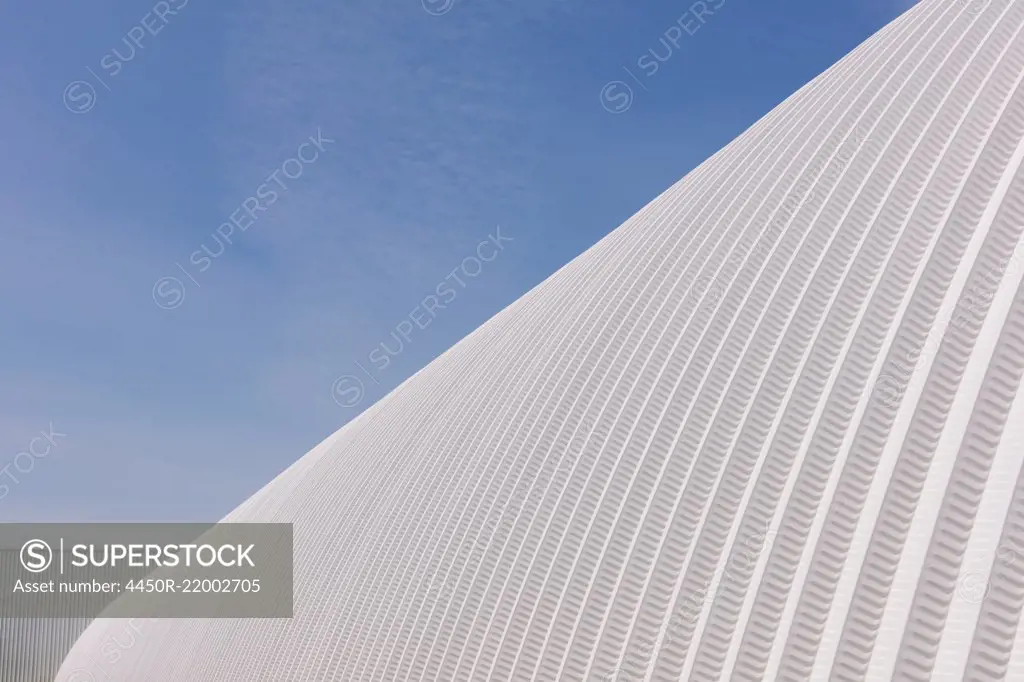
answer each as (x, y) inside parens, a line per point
(31, 649)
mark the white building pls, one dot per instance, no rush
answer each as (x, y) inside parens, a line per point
(810, 345)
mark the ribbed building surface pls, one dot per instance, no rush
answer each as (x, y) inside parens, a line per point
(766, 429)
(31, 649)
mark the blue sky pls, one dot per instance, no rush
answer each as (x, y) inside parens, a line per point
(446, 120)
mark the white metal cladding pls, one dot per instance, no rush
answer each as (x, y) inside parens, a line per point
(31, 649)
(766, 429)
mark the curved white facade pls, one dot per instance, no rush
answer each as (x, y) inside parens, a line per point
(811, 345)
